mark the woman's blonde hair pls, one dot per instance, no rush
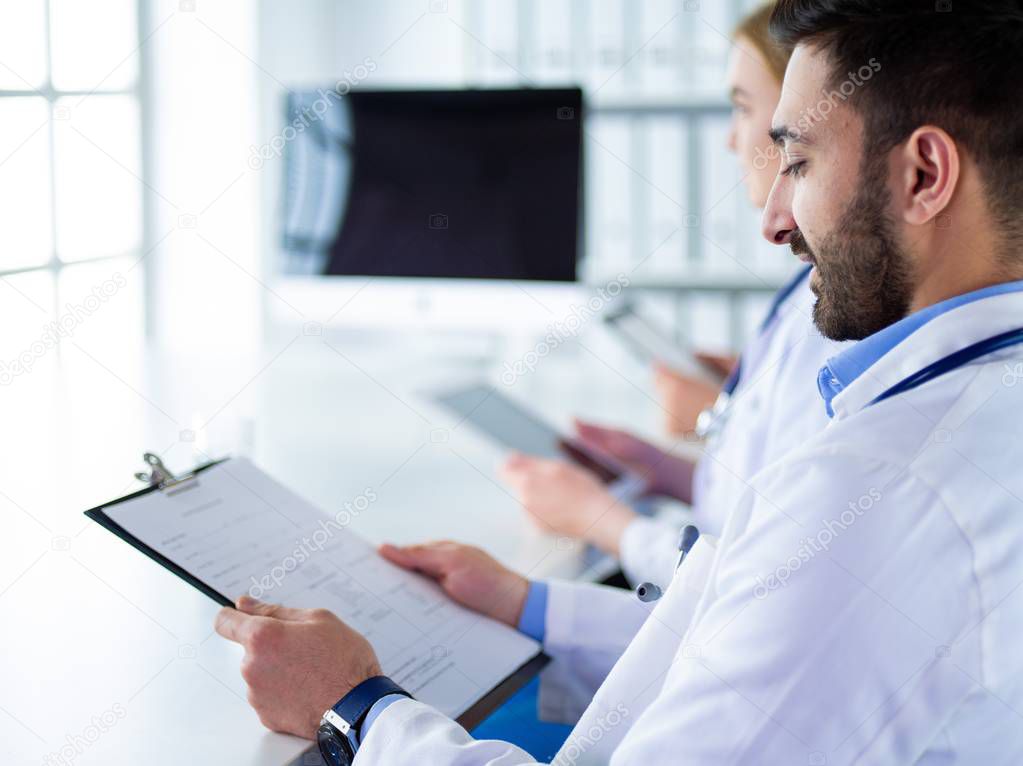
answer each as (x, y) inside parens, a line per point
(755, 27)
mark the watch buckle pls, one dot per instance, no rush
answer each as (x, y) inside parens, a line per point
(336, 721)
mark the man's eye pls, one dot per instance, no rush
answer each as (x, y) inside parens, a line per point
(795, 169)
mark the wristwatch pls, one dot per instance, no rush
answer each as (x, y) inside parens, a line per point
(338, 732)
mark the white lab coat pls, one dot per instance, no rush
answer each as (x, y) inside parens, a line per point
(774, 409)
(863, 605)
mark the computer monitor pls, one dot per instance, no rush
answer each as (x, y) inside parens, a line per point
(434, 183)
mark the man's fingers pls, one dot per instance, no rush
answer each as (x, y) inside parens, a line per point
(254, 606)
(432, 559)
(232, 624)
(237, 624)
(397, 556)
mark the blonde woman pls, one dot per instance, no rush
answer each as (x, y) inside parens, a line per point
(769, 403)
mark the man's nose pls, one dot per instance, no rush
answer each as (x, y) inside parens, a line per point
(778, 225)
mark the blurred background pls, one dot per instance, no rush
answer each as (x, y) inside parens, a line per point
(130, 133)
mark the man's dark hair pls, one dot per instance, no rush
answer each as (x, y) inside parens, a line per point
(955, 64)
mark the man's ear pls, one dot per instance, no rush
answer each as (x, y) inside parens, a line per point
(928, 174)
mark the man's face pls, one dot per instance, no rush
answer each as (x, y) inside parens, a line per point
(831, 204)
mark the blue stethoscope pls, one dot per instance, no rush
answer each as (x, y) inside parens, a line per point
(953, 362)
(649, 592)
(712, 420)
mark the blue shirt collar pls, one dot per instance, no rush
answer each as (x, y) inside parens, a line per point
(842, 369)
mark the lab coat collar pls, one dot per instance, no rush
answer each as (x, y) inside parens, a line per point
(944, 334)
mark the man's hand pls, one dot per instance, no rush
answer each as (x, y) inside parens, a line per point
(684, 398)
(468, 575)
(664, 474)
(568, 500)
(298, 662)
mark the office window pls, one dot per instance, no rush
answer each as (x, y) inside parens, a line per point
(70, 156)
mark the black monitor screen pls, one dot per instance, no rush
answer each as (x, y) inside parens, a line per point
(461, 183)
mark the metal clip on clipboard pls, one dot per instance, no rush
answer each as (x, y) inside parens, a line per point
(160, 476)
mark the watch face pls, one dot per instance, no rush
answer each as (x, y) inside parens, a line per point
(334, 747)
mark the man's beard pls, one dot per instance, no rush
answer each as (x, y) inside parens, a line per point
(864, 281)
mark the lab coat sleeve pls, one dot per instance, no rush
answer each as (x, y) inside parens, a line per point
(411, 732)
(588, 628)
(840, 586)
(648, 550)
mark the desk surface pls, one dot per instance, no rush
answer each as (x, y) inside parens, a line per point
(108, 658)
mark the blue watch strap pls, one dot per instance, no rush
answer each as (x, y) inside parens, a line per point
(348, 713)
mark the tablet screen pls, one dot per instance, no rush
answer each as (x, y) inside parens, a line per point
(508, 423)
(652, 344)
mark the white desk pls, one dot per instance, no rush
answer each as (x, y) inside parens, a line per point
(112, 658)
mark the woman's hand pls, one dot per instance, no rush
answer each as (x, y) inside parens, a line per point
(684, 398)
(568, 500)
(663, 473)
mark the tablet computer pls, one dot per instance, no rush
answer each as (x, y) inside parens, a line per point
(514, 426)
(650, 343)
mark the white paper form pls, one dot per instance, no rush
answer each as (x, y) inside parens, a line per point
(239, 531)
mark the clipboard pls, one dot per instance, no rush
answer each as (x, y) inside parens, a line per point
(160, 479)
